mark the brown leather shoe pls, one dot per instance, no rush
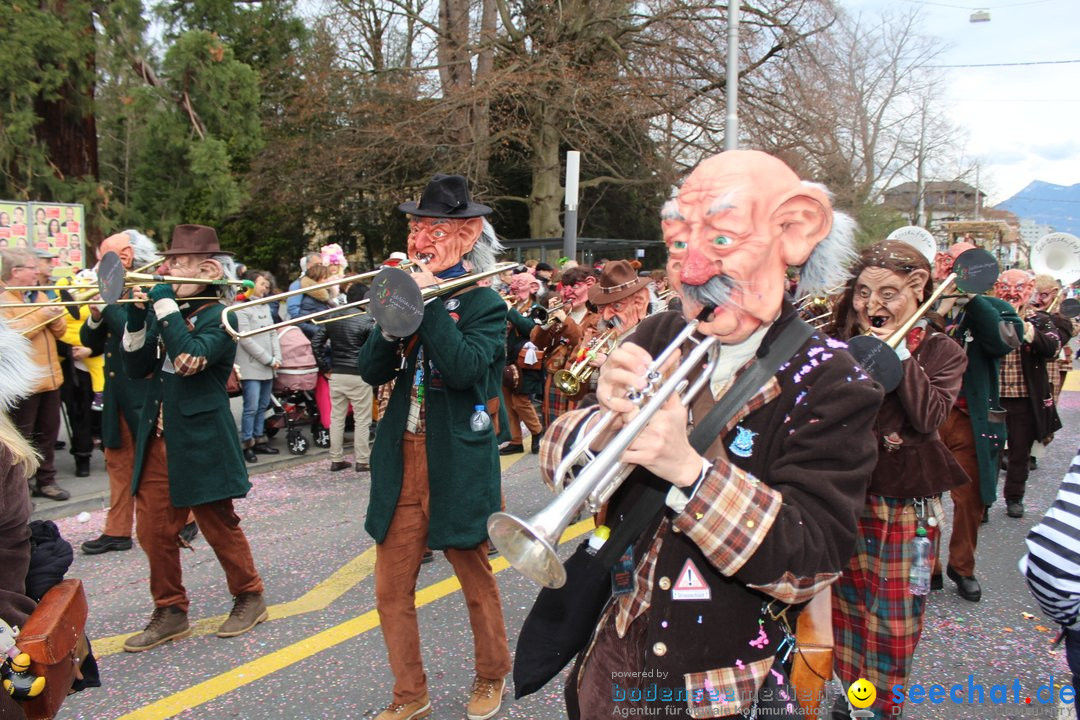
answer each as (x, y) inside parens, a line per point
(249, 610)
(52, 491)
(167, 623)
(418, 708)
(339, 465)
(486, 698)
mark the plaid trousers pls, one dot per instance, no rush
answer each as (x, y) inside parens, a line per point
(876, 620)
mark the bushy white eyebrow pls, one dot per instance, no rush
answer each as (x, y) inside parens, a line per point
(722, 204)
(670, 211)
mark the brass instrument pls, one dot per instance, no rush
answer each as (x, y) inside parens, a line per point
(277, 297)
(542, 316)
(569, 380)
(529, 545)
(1058, 255)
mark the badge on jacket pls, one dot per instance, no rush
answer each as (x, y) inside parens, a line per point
(743, 444)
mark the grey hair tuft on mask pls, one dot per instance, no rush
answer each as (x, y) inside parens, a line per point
(144, 249)
(828, 266)
(227, 293)
(484, 253)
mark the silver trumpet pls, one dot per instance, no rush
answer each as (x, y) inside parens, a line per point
(529, 545)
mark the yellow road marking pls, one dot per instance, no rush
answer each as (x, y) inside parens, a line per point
(1072, 381)
(290, 655)
(318, 598)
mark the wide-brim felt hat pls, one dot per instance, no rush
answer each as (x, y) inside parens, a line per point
(618, 280)
(446, 196)
(194, 240)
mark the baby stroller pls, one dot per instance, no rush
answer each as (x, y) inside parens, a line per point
(293, 401)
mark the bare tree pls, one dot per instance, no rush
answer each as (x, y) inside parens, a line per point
(854, 107)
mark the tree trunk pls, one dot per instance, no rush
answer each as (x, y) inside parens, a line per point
(455, 67)
(546, 188)
(481, 111)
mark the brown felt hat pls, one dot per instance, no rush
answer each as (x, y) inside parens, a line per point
(195, 240)
(618, 280)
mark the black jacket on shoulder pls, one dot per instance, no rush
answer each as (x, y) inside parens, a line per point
(345, 336)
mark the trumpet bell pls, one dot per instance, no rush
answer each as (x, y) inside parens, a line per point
(1057, 255)
(567, 382)
(529, 548)
(918, 238)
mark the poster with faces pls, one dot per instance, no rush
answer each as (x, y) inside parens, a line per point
(57, 228)
(14, 229)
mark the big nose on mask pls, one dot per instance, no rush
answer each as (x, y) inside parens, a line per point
(696, 269)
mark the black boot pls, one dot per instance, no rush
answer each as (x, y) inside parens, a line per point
(82, 466)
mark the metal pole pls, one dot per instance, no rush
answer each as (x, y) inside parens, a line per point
(731, 126)
(573, 165)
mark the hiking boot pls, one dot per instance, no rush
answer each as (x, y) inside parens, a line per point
(105, 543)
(249, 610)
(51, 491)
(82, 466)
(418, 708)
(167, 623)
(188, 533)
(1014, 508)
(427, 557)
(486, 698)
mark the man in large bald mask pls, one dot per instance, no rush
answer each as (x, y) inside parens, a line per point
(1026, 393)
(769, 509)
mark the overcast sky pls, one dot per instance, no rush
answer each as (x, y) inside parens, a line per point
(1022, 122)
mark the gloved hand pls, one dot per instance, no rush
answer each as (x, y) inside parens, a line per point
(1029, 331)
(136, 316)
(161, 291)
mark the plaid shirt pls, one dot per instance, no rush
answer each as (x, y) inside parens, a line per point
(727, 518)
(1011, 376)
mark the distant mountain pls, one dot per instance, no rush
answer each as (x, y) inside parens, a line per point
(1055, 205)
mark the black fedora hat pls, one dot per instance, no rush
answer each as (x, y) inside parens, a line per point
(446, 196)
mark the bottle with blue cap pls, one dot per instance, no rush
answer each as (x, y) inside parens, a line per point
(479, 421)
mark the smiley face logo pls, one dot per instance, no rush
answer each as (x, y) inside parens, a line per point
(861, 693)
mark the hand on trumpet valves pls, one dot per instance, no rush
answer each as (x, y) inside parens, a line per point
(663, 448)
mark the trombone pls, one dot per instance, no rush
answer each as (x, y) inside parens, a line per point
(569, 380)
(529, 545)
(310, 317)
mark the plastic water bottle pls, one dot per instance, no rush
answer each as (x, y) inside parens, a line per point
(480, 420)
(919, 578)
(598, 538)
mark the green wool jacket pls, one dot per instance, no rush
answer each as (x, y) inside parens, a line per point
(201, 442)
(462, 337)
(122, 394)
(981, 327)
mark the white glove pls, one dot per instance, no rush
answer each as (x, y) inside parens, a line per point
(1029, 331)
(902, 352)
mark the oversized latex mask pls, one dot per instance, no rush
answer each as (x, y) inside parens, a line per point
(625, 314)
(943, 261)
(120, 244)
(884, 299)
(440, 243)
(736, 224)
(1015, 287)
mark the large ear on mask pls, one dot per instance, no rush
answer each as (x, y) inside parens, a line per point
(469, 232)
(916, 280)
(210, 269)
(804, 219)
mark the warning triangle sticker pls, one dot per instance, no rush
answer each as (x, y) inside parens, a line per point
(690, 584)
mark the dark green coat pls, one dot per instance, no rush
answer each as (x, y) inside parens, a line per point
(463, 358)
(981, 330)
(203, 448)
(122, 394)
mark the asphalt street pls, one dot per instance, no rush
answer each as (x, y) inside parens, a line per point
(321, 655)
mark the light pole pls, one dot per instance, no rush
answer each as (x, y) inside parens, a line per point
(573, 166)
(731, 124)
